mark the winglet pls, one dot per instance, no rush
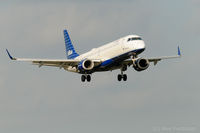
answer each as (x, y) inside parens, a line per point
(10, 55)
(179, 51)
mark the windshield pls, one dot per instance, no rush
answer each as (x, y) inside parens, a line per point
(134, 38)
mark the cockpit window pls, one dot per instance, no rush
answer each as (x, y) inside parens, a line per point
(134, 38)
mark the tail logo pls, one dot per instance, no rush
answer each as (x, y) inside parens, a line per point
(69, 52)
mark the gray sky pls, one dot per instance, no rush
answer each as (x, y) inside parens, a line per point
(161, 99)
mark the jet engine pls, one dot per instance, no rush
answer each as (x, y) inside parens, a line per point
(141, 64)
(86, 65)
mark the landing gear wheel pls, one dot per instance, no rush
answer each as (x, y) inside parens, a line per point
(124, 77)
(88, 78)
(83, 78)
(119, 77)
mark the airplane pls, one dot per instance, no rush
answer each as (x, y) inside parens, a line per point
(119, 54)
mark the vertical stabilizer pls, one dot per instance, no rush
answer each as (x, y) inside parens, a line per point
(70, 51)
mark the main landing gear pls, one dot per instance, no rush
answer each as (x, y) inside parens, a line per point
(122, 76)
(85, 77)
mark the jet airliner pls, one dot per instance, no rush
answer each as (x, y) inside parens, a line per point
(119, 54)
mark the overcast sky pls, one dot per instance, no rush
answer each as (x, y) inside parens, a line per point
(162, 99)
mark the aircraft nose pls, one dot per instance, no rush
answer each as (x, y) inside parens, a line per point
(143, 45)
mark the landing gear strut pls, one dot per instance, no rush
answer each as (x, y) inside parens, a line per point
(85, 77)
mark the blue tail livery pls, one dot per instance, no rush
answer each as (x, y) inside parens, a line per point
(70, 51)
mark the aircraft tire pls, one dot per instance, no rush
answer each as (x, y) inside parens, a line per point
(119, 77)
(125, 77)
(88, 78)
(83, 78)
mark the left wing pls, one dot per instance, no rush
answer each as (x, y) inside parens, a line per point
(154, 60)
(50, 62)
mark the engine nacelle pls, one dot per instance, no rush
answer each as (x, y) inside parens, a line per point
(86, 65)
(141, 64)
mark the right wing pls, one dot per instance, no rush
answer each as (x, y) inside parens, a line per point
(51, 62)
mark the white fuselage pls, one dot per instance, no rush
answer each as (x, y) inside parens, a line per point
(114, 49)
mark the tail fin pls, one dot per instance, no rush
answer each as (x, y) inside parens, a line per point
(70, 51)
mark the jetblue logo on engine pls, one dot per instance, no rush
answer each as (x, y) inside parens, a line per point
(69, 52)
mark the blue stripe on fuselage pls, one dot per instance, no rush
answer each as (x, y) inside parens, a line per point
(107, 62)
